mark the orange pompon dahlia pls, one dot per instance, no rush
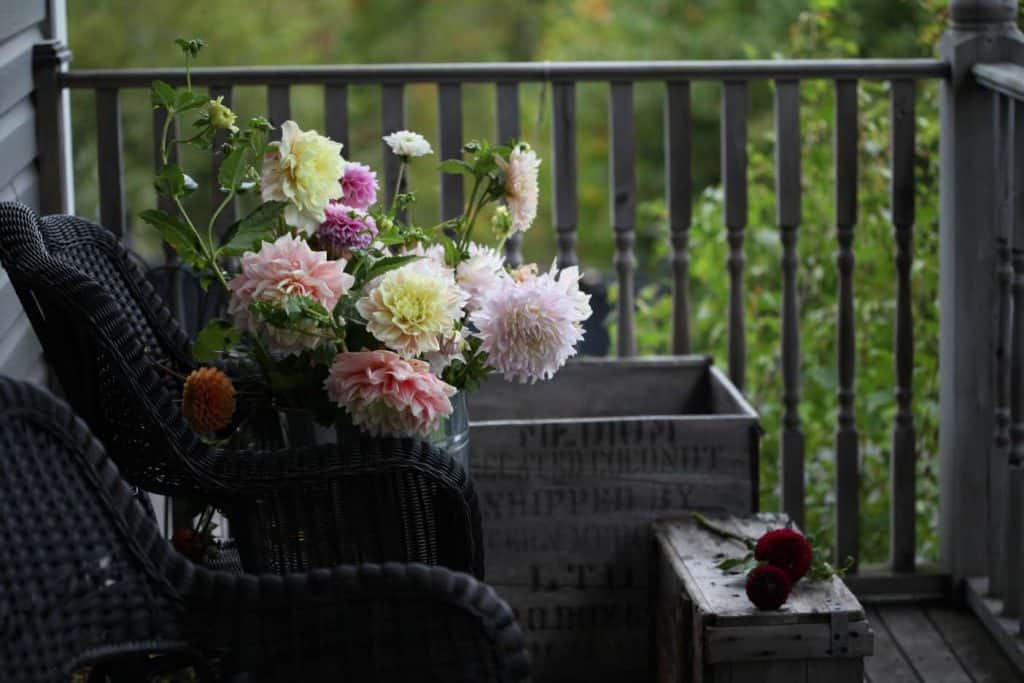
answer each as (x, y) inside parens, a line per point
(208, 400)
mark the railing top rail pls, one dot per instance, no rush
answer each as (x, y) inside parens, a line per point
(870, 69)
(1006, 79)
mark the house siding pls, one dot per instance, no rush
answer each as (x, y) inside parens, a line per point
(23, 23)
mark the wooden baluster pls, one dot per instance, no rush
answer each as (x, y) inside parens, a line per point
(110, 163)
(392, 120)
(734, 174)
(279, 108)
(679, 189)
(847, 473)
(449, 123)
(902, 465)
(563, 143)
(1000, 455)
(336, 113)
(229, 214)
(789, 216)
(508, 130)
(623, 208)
(1015, 480)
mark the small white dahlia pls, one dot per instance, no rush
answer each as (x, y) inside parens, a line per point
(521, 189)
(410, 309)
(529, 329)
(302, 169)
(481, 273)
(408, 144)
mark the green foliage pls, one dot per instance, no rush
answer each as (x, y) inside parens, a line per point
(256, 227)
(214, 340)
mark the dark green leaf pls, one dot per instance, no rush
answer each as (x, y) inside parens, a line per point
(456, 166)
(217, 337)
(187, 100)
(170, 182)
(162, 95)
(232, 169)
(176, 233)
(386, 264)
(258, 226)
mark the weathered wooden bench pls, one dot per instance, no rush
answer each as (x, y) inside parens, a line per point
(709, 632)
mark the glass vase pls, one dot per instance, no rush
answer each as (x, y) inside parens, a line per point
(452, 435)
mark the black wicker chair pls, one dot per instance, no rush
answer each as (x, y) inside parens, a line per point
(87, 581)
(111, 341)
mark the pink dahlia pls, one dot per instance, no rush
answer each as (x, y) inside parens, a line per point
(529, 329)
(359, 185)
(345, 229)
(286, 267)
(388, 395)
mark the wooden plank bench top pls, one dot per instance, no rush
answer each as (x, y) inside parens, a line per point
(708, 630)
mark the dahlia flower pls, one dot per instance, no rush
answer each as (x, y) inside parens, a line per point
(768, 587)
(786, 549)
(449, 349)
(407, 144)
(221, 116)
(346, 228)
(529, 329)
(359, 185)
(303, 170)
(388, 395)
(207, 400)
(521, 191)
(481, 273)
(411, 308)
(286, 267)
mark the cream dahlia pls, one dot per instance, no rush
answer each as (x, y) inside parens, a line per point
(388, 395)
(521, 191)
(286, 267)
(529, 329)
(481, 273)
(303, 169)
(410, 309)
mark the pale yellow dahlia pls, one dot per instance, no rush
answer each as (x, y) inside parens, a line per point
(303, 169)
(412, 308)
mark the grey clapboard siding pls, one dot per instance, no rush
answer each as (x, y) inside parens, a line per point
(22, 25)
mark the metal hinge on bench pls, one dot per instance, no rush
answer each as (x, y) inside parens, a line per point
(839, 634)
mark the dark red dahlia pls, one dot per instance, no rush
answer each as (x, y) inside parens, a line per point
(189, 543)
(768, 587)
(786, 549)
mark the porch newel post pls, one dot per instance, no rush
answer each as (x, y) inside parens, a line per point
(979, 31)
(49, 58)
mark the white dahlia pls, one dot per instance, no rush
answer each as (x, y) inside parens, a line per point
(521, 190)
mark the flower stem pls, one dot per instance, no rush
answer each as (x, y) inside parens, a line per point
(398, 187)
(714, 528)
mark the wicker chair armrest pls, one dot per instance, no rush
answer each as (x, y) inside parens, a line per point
(447, 624)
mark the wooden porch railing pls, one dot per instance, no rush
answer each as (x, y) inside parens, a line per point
(735, 79)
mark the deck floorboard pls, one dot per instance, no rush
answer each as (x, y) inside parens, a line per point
(933, 644)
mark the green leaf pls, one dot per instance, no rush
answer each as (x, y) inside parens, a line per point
(232, 169)
(186, 100)
(162, 95)
(247, 233)
(388, 263)
(170, 182)
(217, 337)
(177, 234)
(456, 166)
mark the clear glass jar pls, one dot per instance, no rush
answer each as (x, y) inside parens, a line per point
(452, 435)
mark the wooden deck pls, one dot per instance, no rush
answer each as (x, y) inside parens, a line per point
(933, 644)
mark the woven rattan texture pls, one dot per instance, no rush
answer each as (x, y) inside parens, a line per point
(85, 578)
(113, 344)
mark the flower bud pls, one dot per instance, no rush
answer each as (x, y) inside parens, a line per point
(501, 223)
(221, 116)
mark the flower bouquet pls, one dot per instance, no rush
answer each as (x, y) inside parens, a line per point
(337, 304)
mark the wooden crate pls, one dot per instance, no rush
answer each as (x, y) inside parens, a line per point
(572, 472)
(709, 632)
